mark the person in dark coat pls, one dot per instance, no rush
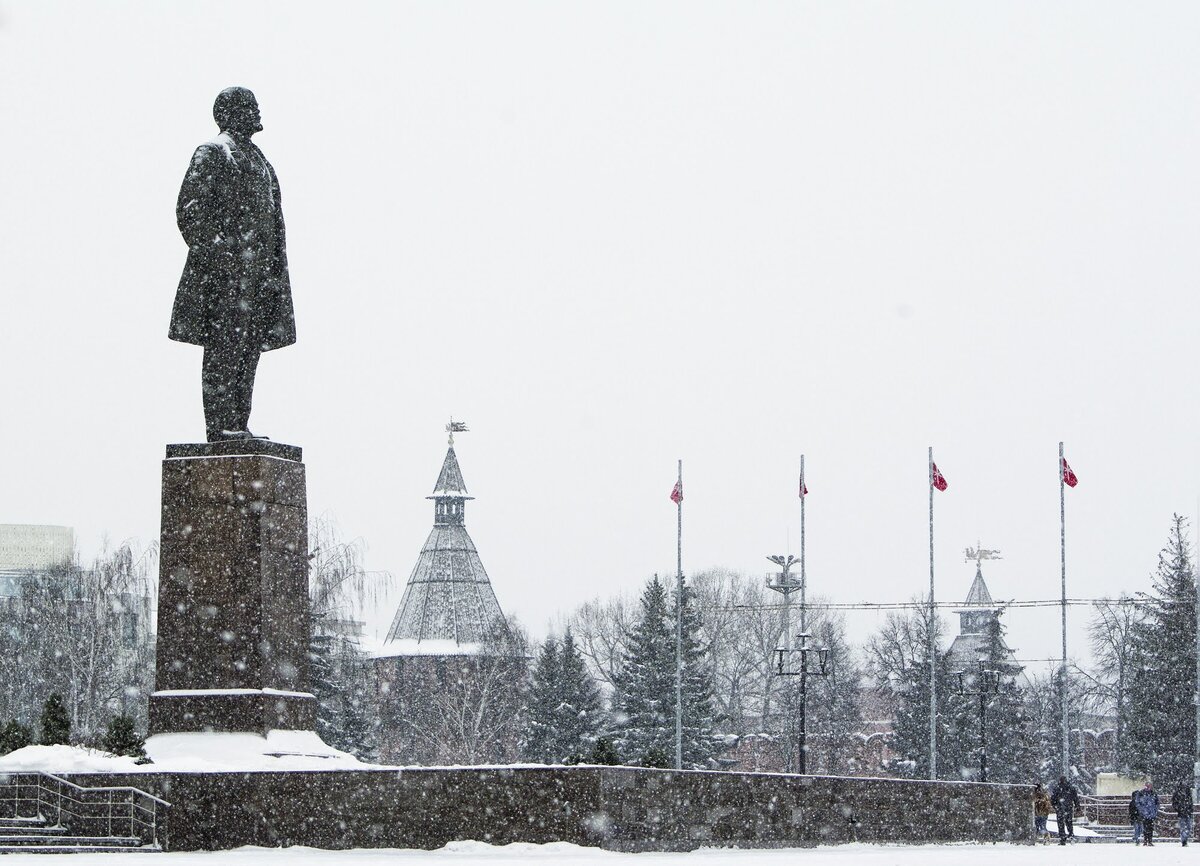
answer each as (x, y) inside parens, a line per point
(1135, 819)
(1065, 798)
(1147, 806)
(234, 297)
(1181, 802)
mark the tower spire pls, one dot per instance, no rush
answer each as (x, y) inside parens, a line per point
(449, 605)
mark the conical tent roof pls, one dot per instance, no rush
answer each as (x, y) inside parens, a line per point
(448, 607)
(450, 481)
(978, 593)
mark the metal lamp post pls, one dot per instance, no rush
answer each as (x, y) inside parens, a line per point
(784, 583)
(781, 655)
(988, 683)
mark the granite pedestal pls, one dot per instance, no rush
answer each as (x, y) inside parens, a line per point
(233, 617)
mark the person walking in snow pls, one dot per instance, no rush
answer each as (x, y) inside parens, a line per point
(1064, 798)
(1181, 802)
(1041, 811)
(1147, 806)
(1135, 819)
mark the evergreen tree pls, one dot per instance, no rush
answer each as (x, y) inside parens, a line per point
(911, 737)
(582, 712)
(645, 687)
(540, 743)
(604, 753)
(321, 684)
(1160, 725)
(122, 738)
(645, 683)
(56, 724)
(14, 736)
(566, 713)
(339, 678)
(701, 744)
(1011, 752)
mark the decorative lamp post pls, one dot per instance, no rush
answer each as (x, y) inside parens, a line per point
(781, 657)
(987, 683)
(785, 583)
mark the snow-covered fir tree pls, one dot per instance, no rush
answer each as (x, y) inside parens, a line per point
(565, 714)
(581, 716)
(1011, 753)
(1160, 722)
(645, 687)
(540, 742)
(339, 676)
(55, 729)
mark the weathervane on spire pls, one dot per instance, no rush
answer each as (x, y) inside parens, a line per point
(456, 427)
(979, 554)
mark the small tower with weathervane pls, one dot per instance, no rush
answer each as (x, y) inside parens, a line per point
(450, 650)
(977, 619)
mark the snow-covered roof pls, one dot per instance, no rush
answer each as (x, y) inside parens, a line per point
(450, 481)
(978, 593)
(435, 647)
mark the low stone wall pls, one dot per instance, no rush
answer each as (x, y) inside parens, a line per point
(620, 808)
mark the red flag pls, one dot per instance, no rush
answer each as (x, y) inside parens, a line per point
(803, 488)
(677, 493)
(1068, 475)
(937, 479)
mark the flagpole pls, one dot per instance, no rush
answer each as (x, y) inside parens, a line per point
(679, 624)
(803, 576)
(932, 647)
(1062, 538)
(1196, 649)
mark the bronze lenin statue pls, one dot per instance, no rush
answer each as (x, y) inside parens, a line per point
(234, 298)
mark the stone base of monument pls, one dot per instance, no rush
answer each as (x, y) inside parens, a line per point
(233, 618)
(618, 808)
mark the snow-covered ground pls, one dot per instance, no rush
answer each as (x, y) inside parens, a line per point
(479, 854)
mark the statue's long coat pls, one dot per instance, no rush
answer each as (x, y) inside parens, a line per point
(236, 273)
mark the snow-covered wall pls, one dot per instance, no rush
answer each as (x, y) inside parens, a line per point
(619, 808)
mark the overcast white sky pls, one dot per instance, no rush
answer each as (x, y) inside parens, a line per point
(611, 235)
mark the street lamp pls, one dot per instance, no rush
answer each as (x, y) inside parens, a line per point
(986, 683)
(781, 655)
(784, 583)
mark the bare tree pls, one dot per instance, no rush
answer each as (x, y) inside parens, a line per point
(1111, 634)
(85, 633)
(456, 709)
(601, 630)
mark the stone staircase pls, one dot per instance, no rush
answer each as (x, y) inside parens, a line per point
(35, 836)
(84, 819)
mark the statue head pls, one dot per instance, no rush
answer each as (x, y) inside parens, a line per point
(236, 110)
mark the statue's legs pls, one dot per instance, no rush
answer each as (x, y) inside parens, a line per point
(227, 381)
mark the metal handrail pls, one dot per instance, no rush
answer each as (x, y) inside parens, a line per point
(48, 793)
